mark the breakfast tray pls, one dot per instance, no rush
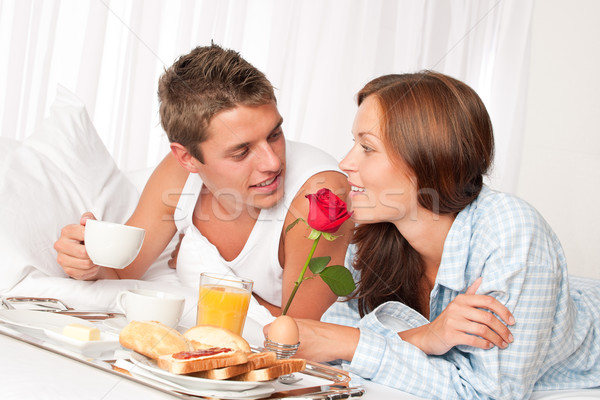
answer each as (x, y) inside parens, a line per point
(319, 381)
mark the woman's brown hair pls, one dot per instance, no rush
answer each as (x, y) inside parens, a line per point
(439, 127)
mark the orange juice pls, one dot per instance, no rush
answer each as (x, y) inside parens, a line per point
(223, 306)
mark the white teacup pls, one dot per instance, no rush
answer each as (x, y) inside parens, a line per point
(112, 245)
(151, 305)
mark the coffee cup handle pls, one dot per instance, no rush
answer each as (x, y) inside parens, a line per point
(120, 301)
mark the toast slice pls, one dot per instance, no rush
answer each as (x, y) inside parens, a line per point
(255, 361)
(206, 336)
(153, 339)
(201, 360)
(278, 368)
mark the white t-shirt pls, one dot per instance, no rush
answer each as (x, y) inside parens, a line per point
(259, 259)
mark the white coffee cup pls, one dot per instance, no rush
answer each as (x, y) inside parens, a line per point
(112, 245)
(151, 305)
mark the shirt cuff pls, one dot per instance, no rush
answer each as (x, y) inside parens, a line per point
(368, 354)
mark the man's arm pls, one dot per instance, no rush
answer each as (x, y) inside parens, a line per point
(313, 296)
(154, 213)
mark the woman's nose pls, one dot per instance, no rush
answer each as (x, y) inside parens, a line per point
(348, 163)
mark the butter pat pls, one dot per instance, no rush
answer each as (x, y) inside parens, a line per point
(81, 332)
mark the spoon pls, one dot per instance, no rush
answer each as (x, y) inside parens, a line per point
(288, 379)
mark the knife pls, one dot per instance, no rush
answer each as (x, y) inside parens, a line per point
(324, 392)
(58, 307)
(89, 315)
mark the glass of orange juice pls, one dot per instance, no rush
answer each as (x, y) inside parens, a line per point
(223, 301)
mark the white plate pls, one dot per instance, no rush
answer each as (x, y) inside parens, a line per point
(140, 373)
(52, 325)
(193, 382)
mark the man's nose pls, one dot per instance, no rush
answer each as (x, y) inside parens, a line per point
(268, 160)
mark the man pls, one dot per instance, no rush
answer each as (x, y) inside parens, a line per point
(229, 184)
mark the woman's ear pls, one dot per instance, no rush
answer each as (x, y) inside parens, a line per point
(183, 156)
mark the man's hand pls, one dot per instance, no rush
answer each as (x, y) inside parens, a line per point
(72, 256)
(173, 260)
(467, 320)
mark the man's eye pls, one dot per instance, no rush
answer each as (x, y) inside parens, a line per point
(275, 135)
(240, 155)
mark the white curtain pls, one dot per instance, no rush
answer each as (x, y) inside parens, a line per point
(317, 53)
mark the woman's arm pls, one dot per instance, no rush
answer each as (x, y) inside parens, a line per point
(322, 341)
(463, 322)
(377, 352)
(465, 372)
(467, 320)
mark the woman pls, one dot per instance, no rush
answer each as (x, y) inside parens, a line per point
(430, 236)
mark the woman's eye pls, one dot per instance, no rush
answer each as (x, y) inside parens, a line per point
(366, 148)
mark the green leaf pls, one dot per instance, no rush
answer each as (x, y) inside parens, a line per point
(339, 280)
(290, 226)
(318, 264)
(314, 234)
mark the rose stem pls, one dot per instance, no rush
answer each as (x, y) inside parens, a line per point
(301, 277)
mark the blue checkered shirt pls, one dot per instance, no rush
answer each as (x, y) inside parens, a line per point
(557, 330)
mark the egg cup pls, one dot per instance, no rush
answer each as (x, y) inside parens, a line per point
(283, 351)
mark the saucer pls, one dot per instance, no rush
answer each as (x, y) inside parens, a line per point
(116, 324)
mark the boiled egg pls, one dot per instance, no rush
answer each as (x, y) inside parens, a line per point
(284, 330)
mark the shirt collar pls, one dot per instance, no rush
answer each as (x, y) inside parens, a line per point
(457, 246)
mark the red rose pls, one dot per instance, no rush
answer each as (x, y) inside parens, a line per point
(327, 212)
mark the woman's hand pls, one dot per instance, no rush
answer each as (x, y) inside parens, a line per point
(321, 341)
(72, 255)
(465, 321)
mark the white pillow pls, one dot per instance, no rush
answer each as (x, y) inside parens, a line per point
(62, 170)
(7, 146)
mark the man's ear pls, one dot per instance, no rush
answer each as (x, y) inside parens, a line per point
(183, 156)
